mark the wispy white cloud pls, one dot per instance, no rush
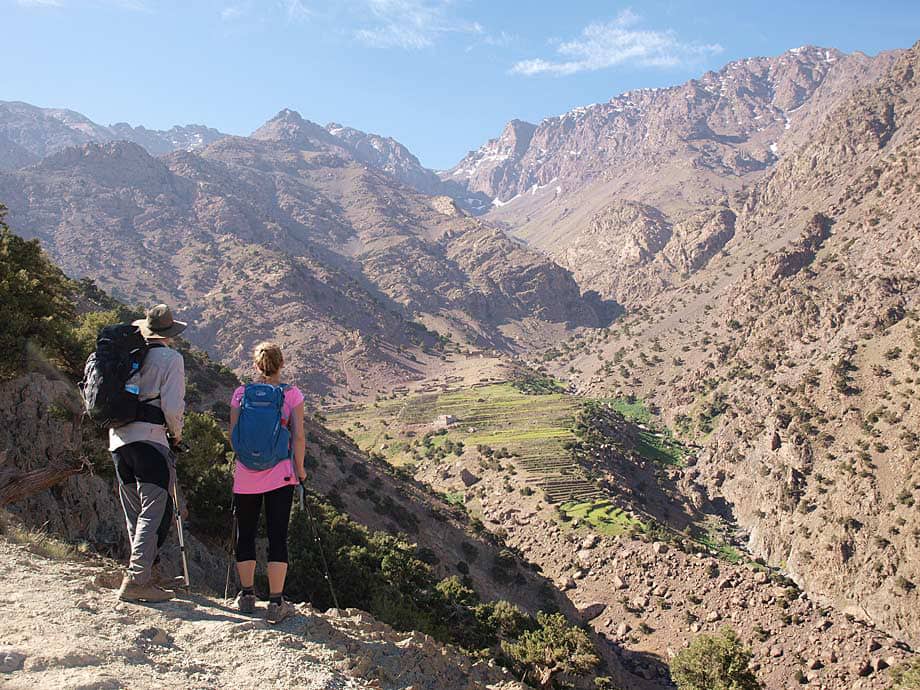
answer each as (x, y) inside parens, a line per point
(295, 10)
(607, 44)
(411, 24)
(231, 13)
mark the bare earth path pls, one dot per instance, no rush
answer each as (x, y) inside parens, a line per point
(59, 629)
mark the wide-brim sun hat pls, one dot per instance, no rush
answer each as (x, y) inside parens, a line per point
(159, 323)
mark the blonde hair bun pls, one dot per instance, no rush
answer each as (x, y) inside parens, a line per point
(268, 358)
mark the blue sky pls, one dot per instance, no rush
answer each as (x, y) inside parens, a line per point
(442, 76)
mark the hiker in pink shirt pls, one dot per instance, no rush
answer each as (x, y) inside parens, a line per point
(273, 486)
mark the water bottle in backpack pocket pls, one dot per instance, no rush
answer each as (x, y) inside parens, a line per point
(260, 438)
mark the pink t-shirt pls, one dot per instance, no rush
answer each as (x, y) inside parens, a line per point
(247, 481)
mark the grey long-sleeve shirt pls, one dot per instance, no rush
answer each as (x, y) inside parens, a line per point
(163, 374)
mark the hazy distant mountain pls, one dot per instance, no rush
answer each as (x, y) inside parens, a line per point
(387, 154)
(37, 132)
(288, 234)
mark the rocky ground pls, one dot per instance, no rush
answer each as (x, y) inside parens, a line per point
(63, 628)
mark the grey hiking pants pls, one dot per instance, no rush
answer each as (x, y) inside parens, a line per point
(146, 474)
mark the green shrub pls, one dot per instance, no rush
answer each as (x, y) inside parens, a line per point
(35, 304)
(383, 575)
(553, 647)
(205, 473)
(714, 662)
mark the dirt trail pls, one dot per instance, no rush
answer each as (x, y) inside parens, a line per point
(60, 629)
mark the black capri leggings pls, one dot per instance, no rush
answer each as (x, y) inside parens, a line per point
(277, 514)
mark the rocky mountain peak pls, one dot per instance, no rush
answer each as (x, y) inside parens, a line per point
(730, 122)
(517, 135)
(289, 126)
(112, 164)
(29, 133)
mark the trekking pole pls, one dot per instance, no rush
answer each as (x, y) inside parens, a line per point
(181, 536)
(230, 558)
(175, 449)
(305, 506)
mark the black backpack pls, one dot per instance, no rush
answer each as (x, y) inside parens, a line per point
(107, 398)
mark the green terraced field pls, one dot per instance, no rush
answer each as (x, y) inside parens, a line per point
(535, 427)
(602, 515)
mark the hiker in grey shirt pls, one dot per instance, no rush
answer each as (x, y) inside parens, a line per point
(143, 460)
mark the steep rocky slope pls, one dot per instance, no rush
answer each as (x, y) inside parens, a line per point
(651, 599)
(29, 133)
(287, 235)
(792, 358)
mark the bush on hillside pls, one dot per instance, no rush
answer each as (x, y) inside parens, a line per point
(205, 473)
(715, 662)
(381, 574)
(35, 304)
(553, 648)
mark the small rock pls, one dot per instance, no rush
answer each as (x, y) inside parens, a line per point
(879, 665)
(590, 541)
(726, 583)
(568, 583)
(776, 442)
(712, 617)
(618, 582)
(760, 577)
(161, 637)
(873, 645)
(468, 478)
(623, 629)
(776, 651)
(659, 547)
(592, 610)
(11, 660)
(861, 668)
(813, 664)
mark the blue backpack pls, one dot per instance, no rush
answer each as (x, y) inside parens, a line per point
(259, 438)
